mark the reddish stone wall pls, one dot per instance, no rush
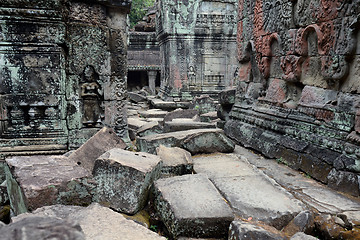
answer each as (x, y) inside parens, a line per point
(298, 86)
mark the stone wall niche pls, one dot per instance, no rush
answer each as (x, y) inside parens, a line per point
(197, 45)
(61, 67)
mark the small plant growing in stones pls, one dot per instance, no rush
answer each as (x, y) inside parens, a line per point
(282, 161)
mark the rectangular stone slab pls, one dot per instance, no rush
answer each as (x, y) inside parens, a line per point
(195, 141)
(102, 141)
(258, 197)
(124, 179)
(191, 206)
(36, 181)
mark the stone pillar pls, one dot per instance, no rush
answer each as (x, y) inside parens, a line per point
(152, 79)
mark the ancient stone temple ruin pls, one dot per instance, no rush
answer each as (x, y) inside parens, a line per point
(298, 86)
(144, 55)
(62, 72)
(197, 46)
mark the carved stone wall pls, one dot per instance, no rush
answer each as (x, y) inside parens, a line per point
(62, 72)
(197, 46)
(298, 88)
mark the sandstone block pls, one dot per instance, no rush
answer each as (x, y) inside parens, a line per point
(136, 97)
(102, 141)
(227, 97)
(149, 129)
(36, 181)
(97, 222)
(244, 230)
(303, 222)
(195, 141)
(245, 195)
(37, 228)
(180, 113)
(176, 161)
(153, 113)
(124, 179)
(190, 206)
(209, 116)
(183, 125)
(302, 236)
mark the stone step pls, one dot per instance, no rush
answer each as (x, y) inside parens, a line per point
(195, 141)
(190, 206)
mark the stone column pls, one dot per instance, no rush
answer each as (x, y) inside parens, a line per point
(152, 79)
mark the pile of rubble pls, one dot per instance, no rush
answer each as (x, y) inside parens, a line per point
(187, 174)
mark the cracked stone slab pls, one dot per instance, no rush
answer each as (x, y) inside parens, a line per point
(124, 179)
(190, 206)
(176, 161)
(36, 181)
(260, 198)
(97, 222)
(195, 141)
(245, 230)
(230, 165)
(102, 141)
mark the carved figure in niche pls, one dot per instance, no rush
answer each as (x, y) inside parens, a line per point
(92, 96)
(192, 76)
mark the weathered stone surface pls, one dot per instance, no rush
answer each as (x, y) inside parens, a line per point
(149, 129)
(135, 123)
(153, 113)
(302, 236)
(203, 104)
(4, 197)
(245, 195)
(176, 161)
(124, 179)
(197, 48)
(303, 222)
(190, 206)
(135, 97)
(168, 105)
(208, 117)
(63, 70)
(35, 228)
(38, 181)
(297, 81)
(102, 141)
(96, 222)
(180, 113)
(195, 141)
(344, 181)
(244, 230)
(227, 97)
(185, 124)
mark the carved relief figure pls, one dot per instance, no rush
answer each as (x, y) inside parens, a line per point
(91, 95)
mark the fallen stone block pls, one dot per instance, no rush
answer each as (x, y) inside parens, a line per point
(124, 179)
(180, 113)
(36, 181)
(302, 236)
(149, 129)
(245, 230)
(168, 105)
(227, 97)
(135, 123)
(208, 117)
(303, 222)
(153, 113)
(183, 125)
(135, 97)
(102, 141)
(190, 206)
(195, 141)
(38, 228)
(260, 198)
(97, 222)
(176, 161)
(203, 104)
